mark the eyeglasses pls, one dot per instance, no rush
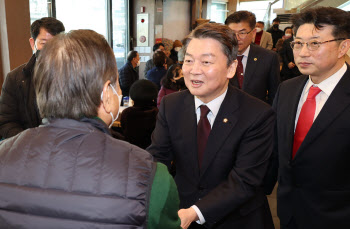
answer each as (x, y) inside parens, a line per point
(312, 46)
(243, 35)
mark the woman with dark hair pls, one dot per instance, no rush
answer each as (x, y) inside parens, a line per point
(70, 172)
(172, 82)
(139, 121)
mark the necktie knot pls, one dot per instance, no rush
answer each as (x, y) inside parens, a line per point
(313, 92)
(239, 58)
(204, 111)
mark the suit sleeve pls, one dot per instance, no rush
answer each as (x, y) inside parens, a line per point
(10, 123)
(247, 174)
(272, 172)
(269, 41)
(274, 78)
(161, 143)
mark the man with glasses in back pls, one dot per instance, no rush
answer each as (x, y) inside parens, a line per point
(258, 68)
(18, 109)
(312, 147)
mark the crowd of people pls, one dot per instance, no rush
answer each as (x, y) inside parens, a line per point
(216, 110)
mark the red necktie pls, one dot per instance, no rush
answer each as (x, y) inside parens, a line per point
(306, 119)
(239, 71)
(203, 130)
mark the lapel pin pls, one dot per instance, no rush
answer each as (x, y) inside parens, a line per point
(225, 120)
(255, 59)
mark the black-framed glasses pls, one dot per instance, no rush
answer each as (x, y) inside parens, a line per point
(312, 45)
(243, 35)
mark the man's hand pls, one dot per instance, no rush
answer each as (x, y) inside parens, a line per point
(291, 65)
(187, 216)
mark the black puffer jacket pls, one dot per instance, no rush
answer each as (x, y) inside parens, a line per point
(70, 174)
(18, 109)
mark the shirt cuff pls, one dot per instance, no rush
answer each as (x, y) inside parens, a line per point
(199, 214)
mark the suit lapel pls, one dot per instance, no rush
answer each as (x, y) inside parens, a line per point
(252, 62)
(291, 110)
(336, 103)
(190, 131)
(225, 120)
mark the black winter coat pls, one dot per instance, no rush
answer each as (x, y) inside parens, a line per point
(18, 108)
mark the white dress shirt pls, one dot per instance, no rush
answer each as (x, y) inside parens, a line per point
(245, 58)
(327, 86)
(214, 107)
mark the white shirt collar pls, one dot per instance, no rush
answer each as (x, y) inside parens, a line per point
(213, 105)
(246, 52)
(328, 85)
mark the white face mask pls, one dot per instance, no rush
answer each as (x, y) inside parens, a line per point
(288, 35)
(177, 49)
(119, 99)
(258, 30)
(138, 63)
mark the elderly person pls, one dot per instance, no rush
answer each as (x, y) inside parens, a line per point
(69, 172)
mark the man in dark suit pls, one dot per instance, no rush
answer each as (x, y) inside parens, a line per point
(260, 69)
(313, 126)
(219, 138)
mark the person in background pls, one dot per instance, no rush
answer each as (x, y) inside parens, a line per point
(288, 33)
(262, 38)
(128, 74)
(275, 32)
(70, 172)
(159, 70)
(138, 122)
(150, 64)
(289, 68)
(312, 151)
(258, 70)
(219, 138)
(181, 56)
(18, 108)
(174, 51)
(172, 82)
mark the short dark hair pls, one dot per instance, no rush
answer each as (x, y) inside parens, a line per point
(131, 55)
(276, 20)
(144, 92)
(50, 24)
(242, 16)
(219, 32)
(288, 27)
(159, 58)
(156, 46)
(261, 22)
(322, 16)
(70, 73)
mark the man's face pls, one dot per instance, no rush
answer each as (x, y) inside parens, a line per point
(41, 40)
(137, 58)
(259, 25)
(320, 63)
(205, 70)
(244, 39)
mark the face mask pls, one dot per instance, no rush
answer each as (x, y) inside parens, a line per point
(177, 49)
(119, 99)
(138, 63)
(288, 35)
(258, 30)
(275, 26)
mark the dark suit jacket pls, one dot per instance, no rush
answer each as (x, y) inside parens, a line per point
(287, 57)
(228, 187)
(314, 188)
(262, 74)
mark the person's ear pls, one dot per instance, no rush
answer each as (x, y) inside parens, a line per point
(32, 44)
(106, 97)
(343, 48)
(232, 69)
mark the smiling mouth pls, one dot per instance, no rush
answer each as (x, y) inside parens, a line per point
(196, 82)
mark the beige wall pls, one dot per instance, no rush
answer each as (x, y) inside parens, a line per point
(14, 34)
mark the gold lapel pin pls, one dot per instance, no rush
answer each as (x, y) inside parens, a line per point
(255, 59)
(225, 120)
